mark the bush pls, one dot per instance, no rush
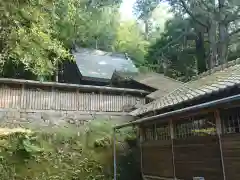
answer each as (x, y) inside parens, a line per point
(27, 155)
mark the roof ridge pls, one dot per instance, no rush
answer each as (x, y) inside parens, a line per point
(164, 76)
(105, 53)
(216, 69)
(173, 79)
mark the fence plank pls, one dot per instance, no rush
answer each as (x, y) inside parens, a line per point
(55, 99)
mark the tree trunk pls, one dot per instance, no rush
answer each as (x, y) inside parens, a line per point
(200, 52)
(213, 53)
(146, 28)
(223, 33)
(96, 43)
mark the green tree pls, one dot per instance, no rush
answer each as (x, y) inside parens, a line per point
(130, 40)
(37, 35)
(174, 54)
(27, 36)
(217, 19)
(143, 10)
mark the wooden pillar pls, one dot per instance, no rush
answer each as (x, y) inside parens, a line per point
(219, 134)
(172, 138)
(141, 132)
(100, 103)
(22, 97)
(114, 154)
(77, 97)
(52, 99)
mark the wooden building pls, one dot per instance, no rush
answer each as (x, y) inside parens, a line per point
(193, 132)
(94, 67)
(35, 95)
(158, 84)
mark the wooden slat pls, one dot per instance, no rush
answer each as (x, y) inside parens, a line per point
(157, 158)
(231, 155)
(198, 157)
(54, 99)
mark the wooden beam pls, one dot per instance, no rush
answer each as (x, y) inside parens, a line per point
(22, 97)
(140, 144)
(79, 86)
(157, 178)
(114, 155)
(172, 138)
(219, 134)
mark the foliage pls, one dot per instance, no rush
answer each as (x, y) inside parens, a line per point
(143, 10)
(217, 19)
(38, 35)
(202, 35)
(57, 155)
(173, 53)
(27, 36)
(130, 40)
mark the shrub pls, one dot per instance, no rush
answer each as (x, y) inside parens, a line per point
(27, 155)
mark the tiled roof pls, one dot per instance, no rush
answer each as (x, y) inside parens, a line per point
(219, 78)
(161, 83)
(99, 64)
(157, 81)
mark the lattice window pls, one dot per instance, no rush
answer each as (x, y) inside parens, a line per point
(149, 133)
(231, 120)
(195, 126)
(163, 132)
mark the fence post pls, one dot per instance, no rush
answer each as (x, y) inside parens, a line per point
(114, 154)
(219, 133)
(141, 139)
(77, 98)
(53, 102)
(22, 97)
(172, 138)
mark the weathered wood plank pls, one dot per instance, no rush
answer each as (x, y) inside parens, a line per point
(57, 99)
(198, 157)
(157, 158)
(231, 155)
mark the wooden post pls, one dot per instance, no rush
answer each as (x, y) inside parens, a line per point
(155, 132)
(77, 97)
(219, 133)
(172, 138)
(114, 155)
(140, 145)
(101, 102)
(52, 100)
(22, 97)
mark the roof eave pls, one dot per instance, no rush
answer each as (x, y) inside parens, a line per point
(183, 110)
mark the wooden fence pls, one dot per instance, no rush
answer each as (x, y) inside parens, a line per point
(184, 149)
(39, 97)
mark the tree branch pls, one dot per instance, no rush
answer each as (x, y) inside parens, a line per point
(232, 16)
(207, 6)
(184, 5)
(172, 42)
(234, 32)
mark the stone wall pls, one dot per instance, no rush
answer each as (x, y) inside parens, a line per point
(48, 118)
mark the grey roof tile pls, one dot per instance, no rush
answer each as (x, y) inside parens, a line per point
(99, 64)
(220, 78)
